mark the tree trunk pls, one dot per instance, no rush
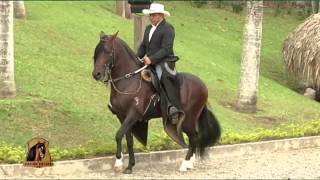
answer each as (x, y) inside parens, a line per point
(123, 9)
(315, 6)
(250, 62)
(7, 83)
(19, 9)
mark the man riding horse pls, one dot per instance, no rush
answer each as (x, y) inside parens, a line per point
(156, 50)
(135, 102)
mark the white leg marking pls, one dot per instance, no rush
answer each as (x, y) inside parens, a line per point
(186, 165)
(193, 158)
(119, 163)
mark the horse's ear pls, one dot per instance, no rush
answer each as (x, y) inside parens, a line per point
(102, 34)
(115, 35)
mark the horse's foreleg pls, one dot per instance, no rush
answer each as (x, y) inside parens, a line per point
(125, 127)
(131, 163)
(187, 163)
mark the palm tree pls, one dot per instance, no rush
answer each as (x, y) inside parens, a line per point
(19, 9)
(250, 62)
(7, 83)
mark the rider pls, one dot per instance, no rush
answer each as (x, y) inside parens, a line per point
(157, 49)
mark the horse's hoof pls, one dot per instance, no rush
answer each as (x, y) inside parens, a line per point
(127, 171)
(118, 169)
(183, 169)
(186, 165)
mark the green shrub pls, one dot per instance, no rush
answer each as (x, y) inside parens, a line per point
(198, 3)
(283, 131)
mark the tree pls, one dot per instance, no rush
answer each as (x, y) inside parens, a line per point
(250, 62)
(19, 9)
(7, 83)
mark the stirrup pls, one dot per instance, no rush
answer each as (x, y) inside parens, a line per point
(175, 118)
(174, 115)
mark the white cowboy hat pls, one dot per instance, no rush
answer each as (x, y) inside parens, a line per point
(155, 8)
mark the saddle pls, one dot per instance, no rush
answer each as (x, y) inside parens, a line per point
(140, 129)
(173, 130)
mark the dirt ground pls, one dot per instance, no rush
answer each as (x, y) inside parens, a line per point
(294, 164)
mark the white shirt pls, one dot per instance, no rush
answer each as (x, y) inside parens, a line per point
(154, 27)
(152, 31)
(158, 67)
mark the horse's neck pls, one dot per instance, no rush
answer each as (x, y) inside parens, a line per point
(37, 158)
(123, 63)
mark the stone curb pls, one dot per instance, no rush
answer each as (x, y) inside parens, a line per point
(85, 166)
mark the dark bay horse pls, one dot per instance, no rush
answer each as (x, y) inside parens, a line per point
(131, 97)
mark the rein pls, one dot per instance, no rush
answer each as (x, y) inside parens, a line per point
(108, 78)
(126, 76)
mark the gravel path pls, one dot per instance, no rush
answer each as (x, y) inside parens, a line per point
(294, 164)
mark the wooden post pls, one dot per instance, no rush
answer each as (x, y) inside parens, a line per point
(123, 9)
(19, 9)
(139, 25)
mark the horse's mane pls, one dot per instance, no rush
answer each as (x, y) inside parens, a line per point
(128, 49)
(99, 48)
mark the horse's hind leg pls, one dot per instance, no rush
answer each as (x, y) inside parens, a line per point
(131, 163)
(187, 163)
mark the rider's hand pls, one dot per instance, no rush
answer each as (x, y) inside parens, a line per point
(146, 60)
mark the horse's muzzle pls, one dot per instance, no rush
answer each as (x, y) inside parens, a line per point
(97, 76)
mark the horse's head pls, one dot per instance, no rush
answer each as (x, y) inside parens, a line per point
(104, 57)
(37, 152)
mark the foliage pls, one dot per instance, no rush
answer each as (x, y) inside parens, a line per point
(237, 7)
(11, 154)
(199, 3)
(283, 131)
(287, 7)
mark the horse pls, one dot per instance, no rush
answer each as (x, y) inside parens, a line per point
(36, 152)
(131, 98)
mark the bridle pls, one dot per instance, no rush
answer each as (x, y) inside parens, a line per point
(110, 65)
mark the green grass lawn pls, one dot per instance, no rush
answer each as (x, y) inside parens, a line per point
(59, 100)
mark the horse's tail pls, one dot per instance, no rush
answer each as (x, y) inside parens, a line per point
(209, 130)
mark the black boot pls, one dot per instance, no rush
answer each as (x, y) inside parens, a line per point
(171, 88)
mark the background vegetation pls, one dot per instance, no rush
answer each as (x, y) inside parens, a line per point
(59, 100)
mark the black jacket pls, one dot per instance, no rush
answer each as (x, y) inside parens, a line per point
(161, 44)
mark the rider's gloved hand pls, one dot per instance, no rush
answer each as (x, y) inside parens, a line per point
(146, 60)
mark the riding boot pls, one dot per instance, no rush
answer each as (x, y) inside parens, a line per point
(172, 89)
